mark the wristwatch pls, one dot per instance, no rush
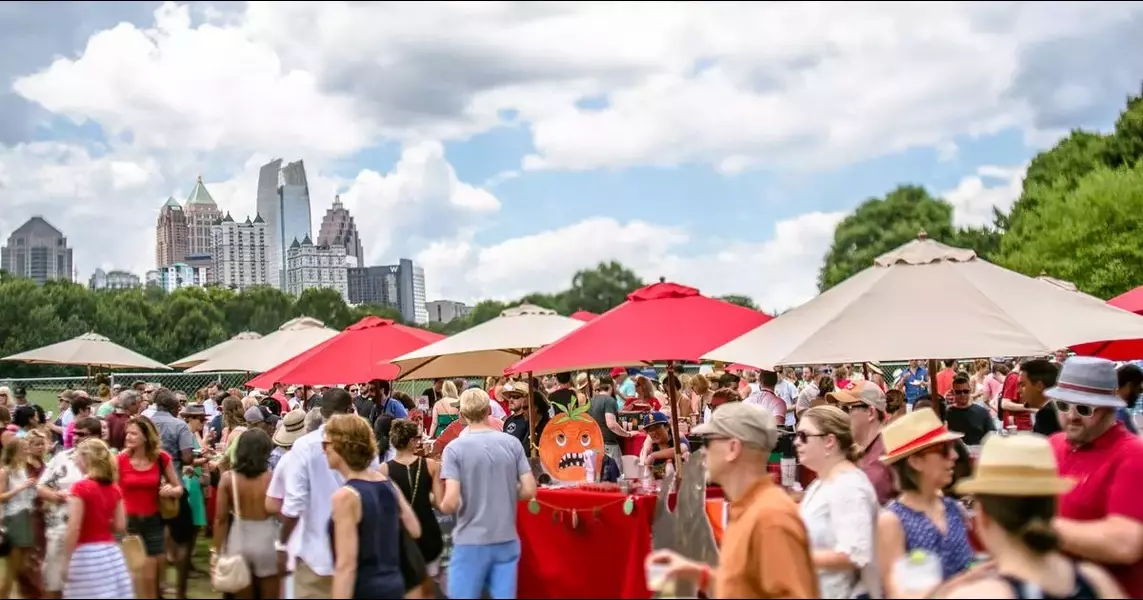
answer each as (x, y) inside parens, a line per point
(280, 547)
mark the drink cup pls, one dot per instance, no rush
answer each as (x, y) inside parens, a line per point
(656, 576)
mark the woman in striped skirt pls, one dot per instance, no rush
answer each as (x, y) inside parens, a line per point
(96, 568)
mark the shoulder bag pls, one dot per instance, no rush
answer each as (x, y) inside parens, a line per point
(230, 573)
(168, 507)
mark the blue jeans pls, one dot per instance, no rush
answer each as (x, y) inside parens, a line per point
(472, 569)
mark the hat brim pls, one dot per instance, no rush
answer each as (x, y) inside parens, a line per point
(704, 429)
(844, 397)
(989, 485)
(948, 436)
(1084, 398)
(654, 424)
(287, 438)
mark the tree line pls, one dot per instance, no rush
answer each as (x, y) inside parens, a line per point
(1078, 218)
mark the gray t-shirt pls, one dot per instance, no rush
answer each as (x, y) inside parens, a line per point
(488, 466)
(600, 406)
(174, 435)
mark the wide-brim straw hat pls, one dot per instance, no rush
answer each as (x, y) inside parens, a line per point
(1017, 465)
(581, 380)
(1088, 381)
(292, 427)
(914, 432)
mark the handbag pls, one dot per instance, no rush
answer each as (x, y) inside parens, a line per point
(134, 554)
(168, 507)
(413, 568)
(230, 573)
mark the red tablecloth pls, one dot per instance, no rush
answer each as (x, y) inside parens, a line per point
(602, 557)
(633, 445)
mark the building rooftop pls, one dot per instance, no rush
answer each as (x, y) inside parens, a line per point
(172, 203)
(37, 226)
(199, 195)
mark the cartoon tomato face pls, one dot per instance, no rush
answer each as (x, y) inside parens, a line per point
(565, 441)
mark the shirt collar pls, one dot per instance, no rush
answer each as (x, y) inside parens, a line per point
(1109, 439)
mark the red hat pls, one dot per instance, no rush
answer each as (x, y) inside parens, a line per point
(617, 371)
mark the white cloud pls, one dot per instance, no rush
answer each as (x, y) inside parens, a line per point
(989, 187)
(777, 274)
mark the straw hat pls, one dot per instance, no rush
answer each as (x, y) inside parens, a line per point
(581, 380)
(293, 426)
(1017, 465)
(914, 432)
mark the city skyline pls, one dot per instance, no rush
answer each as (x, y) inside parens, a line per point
(504, 149)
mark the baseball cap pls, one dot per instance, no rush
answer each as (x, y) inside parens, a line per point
(254, 414)
(617, 371)
(748, 423)
(860, 392)
(516, 387)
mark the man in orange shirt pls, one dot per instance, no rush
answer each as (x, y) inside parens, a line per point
(765, 552)
(945, 378)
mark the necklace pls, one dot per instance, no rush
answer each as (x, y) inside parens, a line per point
(416, 480)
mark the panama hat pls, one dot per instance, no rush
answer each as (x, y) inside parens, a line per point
(292, 427)
(1016, 465)
(914, 432)
(1089, 381)
(581, 380)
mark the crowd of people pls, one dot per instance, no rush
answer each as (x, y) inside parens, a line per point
(334, 493)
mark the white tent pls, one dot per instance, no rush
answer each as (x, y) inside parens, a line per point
(928, 300)
(88, 350)
(255, 356)
(216, 350)
(488, 348)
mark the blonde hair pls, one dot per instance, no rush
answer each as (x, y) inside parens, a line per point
(15, 454)
(448, 390)
(475, 405)
(351, 438)
(831, 420)
(700, 384)
(97, 456)
(249, 402)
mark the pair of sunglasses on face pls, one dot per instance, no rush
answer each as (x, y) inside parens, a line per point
(1082, 410)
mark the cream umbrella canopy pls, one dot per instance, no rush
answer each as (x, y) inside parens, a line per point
(488, 348)
(929, 300)
(255, 356)
(88, 350)
(204, 355)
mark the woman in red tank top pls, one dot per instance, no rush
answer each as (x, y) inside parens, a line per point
(145, 474)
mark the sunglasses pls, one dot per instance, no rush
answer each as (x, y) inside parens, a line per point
(962, 392)
(1082, 410)
(804, 437)
(943, 449)
(852, 407)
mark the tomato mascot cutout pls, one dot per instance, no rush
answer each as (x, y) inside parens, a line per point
(565, 440)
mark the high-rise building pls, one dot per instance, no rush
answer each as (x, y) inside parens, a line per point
(112, 280)
(38, 251)
(443, 311)
(284, 203)
(171, 234)
(240, 253)
(202, 213)
(178, 275)
(401, 286)
(309, 266)
(338, 229)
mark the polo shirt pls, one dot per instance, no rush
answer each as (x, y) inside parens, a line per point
(1109, 481)
(879, 473)
(765, 549)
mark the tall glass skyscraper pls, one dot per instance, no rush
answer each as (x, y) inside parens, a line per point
(284, 203)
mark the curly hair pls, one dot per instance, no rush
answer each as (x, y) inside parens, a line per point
(150, 433)
(403, 432)
(352, 439)
(97, 456)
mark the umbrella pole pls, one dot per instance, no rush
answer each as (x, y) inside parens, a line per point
(531, 420)
(673, 402)
(938, 400)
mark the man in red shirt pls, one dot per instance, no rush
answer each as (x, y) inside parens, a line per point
(945, 378)
(1012, 411)
(1101, 519)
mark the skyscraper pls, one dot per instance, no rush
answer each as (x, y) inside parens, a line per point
(401, 286)
(202, 213)
(38, 251)
(284, 204)
(338, 229)
(240, 253)
(171, 234)
(309, 266)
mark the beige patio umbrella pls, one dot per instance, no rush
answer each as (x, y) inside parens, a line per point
(928, 300)
(488, 348)
(255, 356)
(1066, 285)
(88, 350)
(204, 355)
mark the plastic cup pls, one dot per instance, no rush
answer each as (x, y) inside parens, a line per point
(656, 576)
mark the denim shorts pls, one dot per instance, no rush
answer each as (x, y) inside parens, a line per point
(472, 569)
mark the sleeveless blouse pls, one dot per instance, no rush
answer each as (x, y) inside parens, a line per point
(378, 541)
(953, 548)
(416, 483)
(1083, 590)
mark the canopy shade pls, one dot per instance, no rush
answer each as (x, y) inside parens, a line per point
(660, 322)
(583, 315)
(929, 300)
(255, 356)
(204, 355)
(489, 348)
(88, 350)
(360, 353)
(1130, 301)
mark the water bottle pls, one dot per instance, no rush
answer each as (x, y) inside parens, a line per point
(669, 476)
(917, 574)
(589, 466)
(646, 481)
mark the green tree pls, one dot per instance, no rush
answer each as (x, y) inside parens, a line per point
(739, 300)
(325, 305)
(600, 289)
(1089, 235)
(1125, 145)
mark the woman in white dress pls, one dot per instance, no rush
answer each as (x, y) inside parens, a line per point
(839, 508)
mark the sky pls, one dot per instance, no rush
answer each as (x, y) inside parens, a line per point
(503, 146)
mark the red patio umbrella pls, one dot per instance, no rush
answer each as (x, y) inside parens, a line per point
(1131, 301)
(351, 356)
(583, 315)
(660, 322)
